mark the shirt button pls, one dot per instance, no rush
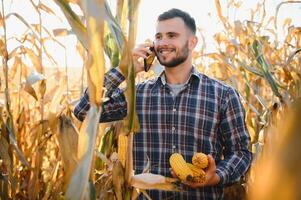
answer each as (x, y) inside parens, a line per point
(173, 128)
(174, 110)
(173, 146)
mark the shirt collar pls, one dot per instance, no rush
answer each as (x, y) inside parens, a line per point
(194, 75)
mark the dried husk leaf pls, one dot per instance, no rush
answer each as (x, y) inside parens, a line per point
(7, 162)
(97, 68)
(33, 78)
(78, 186)
(78, 28)
(68, 142)
(118, 180)
(151, 181)
(15, 66)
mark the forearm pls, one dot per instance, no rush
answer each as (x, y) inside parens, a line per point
(233, 167)
(112, 80)
(113, 109)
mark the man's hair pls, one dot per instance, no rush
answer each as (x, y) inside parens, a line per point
(172, 13)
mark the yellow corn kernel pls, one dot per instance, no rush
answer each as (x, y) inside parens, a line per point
(200, 160)
(122, 148)
(180, 168)
(199, 174)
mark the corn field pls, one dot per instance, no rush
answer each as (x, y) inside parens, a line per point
(46, 153)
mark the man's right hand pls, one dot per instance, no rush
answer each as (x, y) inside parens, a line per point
(139, 53)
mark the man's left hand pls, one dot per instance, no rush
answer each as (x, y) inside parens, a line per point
(211, 177)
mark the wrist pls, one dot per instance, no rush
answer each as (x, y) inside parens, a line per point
(214, 180)
(119, 70)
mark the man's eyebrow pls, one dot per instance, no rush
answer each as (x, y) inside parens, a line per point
(168, 33)
(172, 33)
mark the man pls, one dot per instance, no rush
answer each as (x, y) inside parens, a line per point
(181, 111)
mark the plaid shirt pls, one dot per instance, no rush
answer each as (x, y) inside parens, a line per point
(206, 116)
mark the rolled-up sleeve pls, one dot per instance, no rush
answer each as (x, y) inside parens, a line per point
(115, 108)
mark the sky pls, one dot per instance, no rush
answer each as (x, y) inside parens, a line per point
(202, 10)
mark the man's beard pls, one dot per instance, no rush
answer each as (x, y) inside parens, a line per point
(179, 59)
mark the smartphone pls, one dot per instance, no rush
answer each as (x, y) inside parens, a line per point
(149, 60)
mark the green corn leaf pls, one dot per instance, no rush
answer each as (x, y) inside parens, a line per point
(264, 66)
(78, 28)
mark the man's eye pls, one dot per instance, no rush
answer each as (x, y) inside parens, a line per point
(171, 35)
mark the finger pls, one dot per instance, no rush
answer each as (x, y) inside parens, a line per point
(145, 46)
(143, 50)
(144, 53)
(139, 54)
(210, 159)
(193, 184)
(172, 173)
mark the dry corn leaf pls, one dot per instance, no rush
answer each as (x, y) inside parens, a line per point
(129, 169)
(118, 180)
(291, 56)
(126, 65)
(60, 32)
(50, 187)
(68, 143)
(42, 88)
(34, 59)
(96, 68)
(19, 153)
(6, 159)
(221, 59)
(30, 81)
(286, 22)
(78, 186)
(1, 20)
(77, 27)
(19, 17)
(278, 7)
(45, 8)
(220, 14)
(34, 184)
(28, 88)
(50, 93)
(122, 148)
(14, 67)
(54, 108)
(151, 181)
(220, 38)
(34, 77)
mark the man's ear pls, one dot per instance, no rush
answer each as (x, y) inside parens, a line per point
(193, 42)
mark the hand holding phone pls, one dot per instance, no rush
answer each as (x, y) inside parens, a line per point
(149, 60)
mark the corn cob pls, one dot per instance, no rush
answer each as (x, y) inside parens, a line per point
(180, 168)
(200, 160)
(122, 148)
(199, 174)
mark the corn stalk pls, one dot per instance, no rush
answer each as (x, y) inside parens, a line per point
(268, 68)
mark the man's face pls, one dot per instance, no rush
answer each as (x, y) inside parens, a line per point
(172, 42)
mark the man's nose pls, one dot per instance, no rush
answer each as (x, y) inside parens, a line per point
(162, 42)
